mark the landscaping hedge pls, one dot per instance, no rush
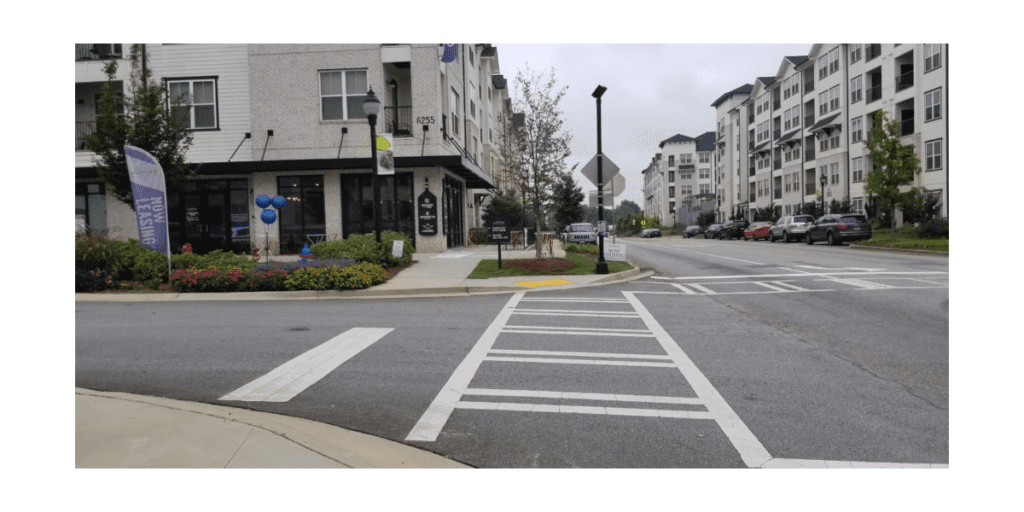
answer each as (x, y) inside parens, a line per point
(366, 249)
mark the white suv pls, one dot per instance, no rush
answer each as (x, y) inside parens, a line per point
(791, 227)
(581, 233)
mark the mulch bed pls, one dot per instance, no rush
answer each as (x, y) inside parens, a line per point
(542, 266)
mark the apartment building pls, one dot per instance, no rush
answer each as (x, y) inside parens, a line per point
(811, 121)
(679, 180)
(288, 120)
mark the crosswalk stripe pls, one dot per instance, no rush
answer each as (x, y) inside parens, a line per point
(554, 360)
(293, 377)
(579, 354)
(572, 395)
(585, 409)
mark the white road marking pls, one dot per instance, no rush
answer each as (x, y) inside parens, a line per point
(607, 362)
(808, 274)
(568, 395)
(437, 414)
(770, 286)
(585, 409)
(792, 287)
(811, 463)
(579, 354)
(750, 449)
(684, 289)
(707, 291)
(293, 377)
(576, 329)
(574, 300)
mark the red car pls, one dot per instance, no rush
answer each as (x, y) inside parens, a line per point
(757, 230)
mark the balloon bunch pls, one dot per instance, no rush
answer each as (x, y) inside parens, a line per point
(269, 216)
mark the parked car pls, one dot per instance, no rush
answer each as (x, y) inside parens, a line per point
(757, 230)
(790, 227)
(692, 231)
(733, 229)
(650, 233)
(713, 231)
(580, 233)
(838, 228)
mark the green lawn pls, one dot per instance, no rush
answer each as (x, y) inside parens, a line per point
(584, 265)
(905, 239)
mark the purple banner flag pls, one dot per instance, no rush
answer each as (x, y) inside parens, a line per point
(150, 193)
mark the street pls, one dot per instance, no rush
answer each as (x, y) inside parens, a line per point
(733, 354)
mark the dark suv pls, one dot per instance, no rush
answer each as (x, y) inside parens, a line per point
(733, 229)
(838, 228)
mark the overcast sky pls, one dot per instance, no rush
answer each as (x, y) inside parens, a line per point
(654, 92)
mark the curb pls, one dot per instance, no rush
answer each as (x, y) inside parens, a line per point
(347, 447)
(893, 249)
(369, 293)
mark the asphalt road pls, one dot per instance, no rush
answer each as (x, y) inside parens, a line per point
(734, 354)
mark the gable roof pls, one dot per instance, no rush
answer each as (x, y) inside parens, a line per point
(706, 141)
(743, 89)
(676, 138)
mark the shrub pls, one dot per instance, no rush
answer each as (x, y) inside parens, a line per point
(215, 259)
(91, 280)
(478, 235)
(366, 249)
(354, 277)
(121, 260)
(934, 228)
(582, 248)
(209, 280)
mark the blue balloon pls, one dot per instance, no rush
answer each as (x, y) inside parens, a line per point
(278, 202)
(263, 201)
(268, 216)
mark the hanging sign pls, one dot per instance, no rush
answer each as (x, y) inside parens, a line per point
(385, 156)
(426, 208)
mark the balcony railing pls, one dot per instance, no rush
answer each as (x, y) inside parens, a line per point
(97, 51)
(873, 93)
(907, 127)
(905, 80)
(83, 129)
(398, 121)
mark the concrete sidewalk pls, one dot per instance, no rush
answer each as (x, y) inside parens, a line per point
(120, 430)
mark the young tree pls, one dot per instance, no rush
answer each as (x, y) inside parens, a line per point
(542, 142)
(893, 166)
(141, 118)
(568, 200)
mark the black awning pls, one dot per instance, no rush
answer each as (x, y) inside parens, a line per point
(825, 124)
(458, 164)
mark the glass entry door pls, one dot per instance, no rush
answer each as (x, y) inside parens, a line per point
(206, 221)
(210, 215)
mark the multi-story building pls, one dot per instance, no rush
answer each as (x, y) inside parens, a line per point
(679, 180)
(812, 119)
(288, 120)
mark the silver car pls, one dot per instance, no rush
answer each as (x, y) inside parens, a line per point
(581, 233)
(790, 227)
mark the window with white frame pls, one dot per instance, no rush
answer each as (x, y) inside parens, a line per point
(823, 103)
(796, 116)
(857, 169)
(686, 190)
(933, 155)
(823, 144)
(194, 102)
(857, 205)
(704, 158)
(833, 60)
(704, 173)
(855, 52)
(834, 173)
(705, 188)
(342, 93)
(856, 129)
(834, 139)
(932, 57)
(671, 176)
(856, 88)
(786, 120)
(785, 180)
(833, 98)
(822, 66)
(685, 159)
(933, 104)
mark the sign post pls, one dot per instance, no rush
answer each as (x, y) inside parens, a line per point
(497, 232)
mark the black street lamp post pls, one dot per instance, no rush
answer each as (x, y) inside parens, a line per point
(371, 105)
(602, 265)
(824, 181)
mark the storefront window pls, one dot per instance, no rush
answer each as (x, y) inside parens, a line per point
(302, 219)
(91, 206)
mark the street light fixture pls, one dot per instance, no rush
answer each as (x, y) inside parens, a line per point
(371, 106)
(602, 265)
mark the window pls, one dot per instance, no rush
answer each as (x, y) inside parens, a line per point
(857, 205)
(671, 176)
(833, 60)
(305, 212)
(834, 171)
(705, 189)
(786, 180)
(91, 205)
(833, 98)
(856, 129)
(685, 159)
(932, 57)
(823, 103)
(933, 155)
(823, 144)
(705, 173)
(194, 102)
(671, 160)
(856, 87)
(822, 66)
(855, 52)
(834, 139)
(671, 192)
(341, 94)
(456, 109)
(933, 104)
(857, 169)
(704, 158)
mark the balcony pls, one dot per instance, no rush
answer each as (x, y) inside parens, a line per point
(872, 51)
(873, 93)
(101, 51)
(905, 80)
(398, 121)
(82, 130)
